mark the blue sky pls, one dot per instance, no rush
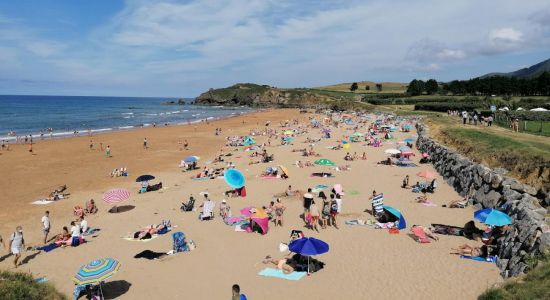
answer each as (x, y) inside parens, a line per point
(182, 48)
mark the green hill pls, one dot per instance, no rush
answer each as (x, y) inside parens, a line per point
(530, 72)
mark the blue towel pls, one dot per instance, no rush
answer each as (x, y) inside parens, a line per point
(491, 259)
(270, 272)
(49, 247)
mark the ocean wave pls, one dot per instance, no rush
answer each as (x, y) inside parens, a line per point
(130, 113)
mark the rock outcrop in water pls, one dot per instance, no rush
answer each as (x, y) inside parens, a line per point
(529, 235)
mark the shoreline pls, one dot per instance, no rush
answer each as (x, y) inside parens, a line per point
(19, 140)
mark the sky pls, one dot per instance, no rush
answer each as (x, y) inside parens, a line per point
(183, 48)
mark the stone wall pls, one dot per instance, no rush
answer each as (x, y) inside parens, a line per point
(529, 235)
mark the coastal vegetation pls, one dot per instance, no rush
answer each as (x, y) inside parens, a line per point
(534, 285)
(15, 285)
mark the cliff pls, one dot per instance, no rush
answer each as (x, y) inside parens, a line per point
(266, 96)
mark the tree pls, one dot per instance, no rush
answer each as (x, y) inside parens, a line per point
(415, 88)
(367, 88)
(354, 87)
(379, 87)
(431, 86)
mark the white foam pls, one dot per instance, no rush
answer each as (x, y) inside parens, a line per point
(126, 127)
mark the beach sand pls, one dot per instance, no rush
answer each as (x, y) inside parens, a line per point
(363, 263)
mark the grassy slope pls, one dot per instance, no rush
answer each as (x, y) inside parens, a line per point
(23, 286)
(387, 87)
(534, 285)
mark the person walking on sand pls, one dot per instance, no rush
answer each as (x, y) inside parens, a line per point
(279, 209)
(145, 143)
(186, 145)
(91, 145)
(108, 151)
(30, 148)
(46, 225)
(236, 292)
(17, 243)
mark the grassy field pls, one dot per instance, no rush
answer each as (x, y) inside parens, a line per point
(534, 285)
(387, 87)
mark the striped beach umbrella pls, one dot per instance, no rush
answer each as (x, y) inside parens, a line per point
(116, 196)
(96, 271)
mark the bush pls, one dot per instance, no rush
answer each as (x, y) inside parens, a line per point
(23, 286)
(433, 106)
(525, 115)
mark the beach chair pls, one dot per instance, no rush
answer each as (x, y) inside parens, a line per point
(420, 234)
(180, 245)
(377, 205)
(189, 205)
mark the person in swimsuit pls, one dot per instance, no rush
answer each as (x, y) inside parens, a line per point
(279, 209)
(280, 263)
(314, 212)
(468, 250)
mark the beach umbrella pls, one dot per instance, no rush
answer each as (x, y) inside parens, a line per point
(285, 170)
(425, 155)
(426, 174)
(145, 178)
(96, 271)
(357, 134)
(402, 223)
(289, 132)
(392, 151)
(408, 140)
(324, 162)
(408, 126)
(338, 189)
(405, 149)
(346, 146)
(116, 196)
(192, 158)
(234, 178)
(308, 246)
(492, 217)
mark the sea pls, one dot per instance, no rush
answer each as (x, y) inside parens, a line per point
(36, 115)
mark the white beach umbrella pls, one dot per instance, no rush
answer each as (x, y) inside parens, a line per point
(392, 151)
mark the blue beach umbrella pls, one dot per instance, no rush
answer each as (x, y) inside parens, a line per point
(192, 158)
(234, 178)
(408, 140)
(402, 223)
(492, 217)
(308, 246)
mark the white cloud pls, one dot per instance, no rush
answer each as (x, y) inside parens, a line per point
(505, 36)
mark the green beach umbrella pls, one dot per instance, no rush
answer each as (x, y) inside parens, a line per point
(324, 162)
(357, 134)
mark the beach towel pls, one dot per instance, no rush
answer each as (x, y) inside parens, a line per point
(49, 247)
(359, 222)
(324, 175)
(420, 234)
(353, 193)
(407, 165)
(429, 204)
(447, 229)
(154, 236)
(201, 178)
(490, 259)
(270, 272)
(42, 202)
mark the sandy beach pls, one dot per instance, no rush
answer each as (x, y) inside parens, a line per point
(363, 263)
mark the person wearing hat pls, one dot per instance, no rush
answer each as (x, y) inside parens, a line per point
(225, 210)
(17, 243)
